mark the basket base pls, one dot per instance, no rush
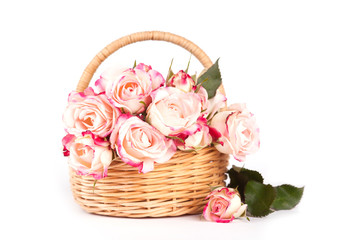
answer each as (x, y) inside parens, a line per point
(177, 187)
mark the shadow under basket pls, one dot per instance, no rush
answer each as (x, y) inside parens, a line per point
(177, 187)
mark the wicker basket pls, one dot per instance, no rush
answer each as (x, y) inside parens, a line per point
(177, 187)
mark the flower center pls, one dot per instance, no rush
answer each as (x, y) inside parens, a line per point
(175, 110)
(145, 139)
(89, 121)
(244, 134)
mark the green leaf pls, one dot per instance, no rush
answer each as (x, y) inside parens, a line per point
(176, 138)
(239, 177)
(194, 77)
(259, 198)
(262, 199)
(250, 174)
(212, 188)
(142, 102)
(95, 181)
(200, 84)
(187, 68)
(134, 64)
(214, 79)
(287, 197)
(170, 72)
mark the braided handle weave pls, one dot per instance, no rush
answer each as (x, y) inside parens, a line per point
(138, 37)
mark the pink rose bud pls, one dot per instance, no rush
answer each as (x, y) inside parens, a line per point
(129, 89)
(239, 131)
(143, 67)
(139, 144)
(182, 81)
(87, 111)
(88, 154)
(224, 205)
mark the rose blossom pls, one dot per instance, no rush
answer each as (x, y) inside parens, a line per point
(239, 132)
(88, 154)
(139, 144)
(89, 111)
(129, 89)
(213, 105)
(224, 205)
(173, 111)
(156, 78)
(198, 140)
(143, 67)
(182, 81)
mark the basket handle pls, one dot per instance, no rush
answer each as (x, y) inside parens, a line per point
(138, 37)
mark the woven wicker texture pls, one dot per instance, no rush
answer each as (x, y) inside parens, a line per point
(177, 187)
(138, 37)
(174, 188)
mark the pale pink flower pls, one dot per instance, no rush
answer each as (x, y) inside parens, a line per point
(88, 154)
(139, 144)
(239, 131)
(156, 78)
(224, 205)
(143, 67)
(182, 81)
(173, 111)
(211, 106)
(129, 89)
(200, 139)
(87, 111)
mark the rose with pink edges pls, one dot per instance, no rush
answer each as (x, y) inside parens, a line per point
(209, 107)
(88, 154)
(239, 131)
(129, 89)
(182, 81)
(139, 144)
(173, 111)
(156, 78)
(200, 139)
(224, 205)
(87, 111)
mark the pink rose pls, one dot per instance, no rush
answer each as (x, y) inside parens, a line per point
(87, 111)
(200, 139)
(224, 205)
(88, 154)
(239, 132)
(173, 111)
(143, 67)
(139, 144)
(129, 89)
(182, 80)
(211, 106)
(202, 93)
(156, 78)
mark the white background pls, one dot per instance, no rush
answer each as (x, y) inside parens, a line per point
(295, 63)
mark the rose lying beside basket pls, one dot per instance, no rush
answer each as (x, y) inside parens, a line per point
(154, 147)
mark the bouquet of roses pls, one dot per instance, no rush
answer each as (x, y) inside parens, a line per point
(138, 116)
